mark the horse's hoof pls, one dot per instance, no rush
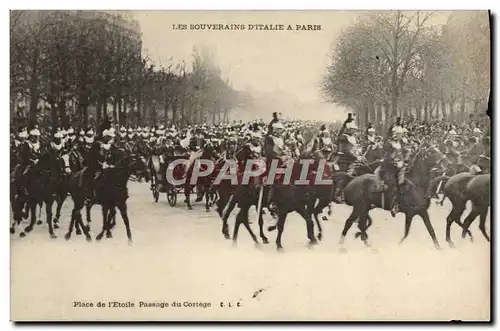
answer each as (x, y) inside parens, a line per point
(437, 247)
(109, 235)
(374, 250)
(22, 235)
(451, 244)
(235, 243)
(88, 238)
(208, 209)
(280, 249)
(53, 236)
(324, 218)
(257, 245)
(329, 213)
(56, 226)
(227, 236)
(130, 242)
(342, 250)
(28, 229)
(265, 241)
(87, 228)
(12, 230)
(98, 237)
(67, 236)
(320, 236)
(78, 232)
(313, 242)
(39, 222)
(189, 208)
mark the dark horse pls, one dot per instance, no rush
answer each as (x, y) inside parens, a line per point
(111, 192)
(461, 188)
(363, 193)
(454, 188)
(232, 194)
(41, 182)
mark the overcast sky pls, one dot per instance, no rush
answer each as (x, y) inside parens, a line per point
(292, 61)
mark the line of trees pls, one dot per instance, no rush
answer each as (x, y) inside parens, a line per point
(81, 67)
(395, 63)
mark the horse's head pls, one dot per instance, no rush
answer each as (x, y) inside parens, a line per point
(431, 156)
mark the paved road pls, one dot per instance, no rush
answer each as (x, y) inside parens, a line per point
(180, 255)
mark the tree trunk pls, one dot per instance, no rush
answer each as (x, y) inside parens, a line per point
(53, 113)
(443, 109)
(366, 117)
(452, 110)
(462, 108)
(379, 119)
(426, 110)
(386, 120)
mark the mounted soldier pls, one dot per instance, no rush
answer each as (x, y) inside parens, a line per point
(323, 143)
(30, 151)
(348, 151)
(392, 165)
(273, 121)
(274, 148)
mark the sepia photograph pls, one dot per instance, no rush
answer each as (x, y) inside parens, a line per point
(250, 165)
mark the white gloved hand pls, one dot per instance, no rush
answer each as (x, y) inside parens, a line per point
(67, 170)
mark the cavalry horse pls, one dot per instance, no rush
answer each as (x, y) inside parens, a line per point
(41, 182)
(459, 189)
(363, 193)
(242, 195)
(111, 192)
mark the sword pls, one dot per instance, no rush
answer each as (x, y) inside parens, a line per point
(259, 203)
(440, 183)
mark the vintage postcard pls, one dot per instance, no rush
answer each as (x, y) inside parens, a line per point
(250, 165)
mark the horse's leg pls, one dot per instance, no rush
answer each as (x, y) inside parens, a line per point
(261, 228)
(237, 223)
(59, 201)
(88, 209)
(408, 219)
(39, 222)
(32, 208)
(425, 217)
(244, 219)
(469, 219)
(122, 206)
(187, 193)
(363, 226)
(111, 222)
(319, 208)
(454, 216)
(206, 189)
(302, 210)
(48, 211)
(281, 227)
(225, 216)
(77, 206)
(348, 223)
(482, 222)
(105, 212)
